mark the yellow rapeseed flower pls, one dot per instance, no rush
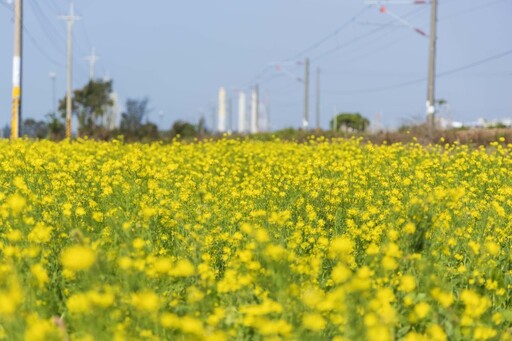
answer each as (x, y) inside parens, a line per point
(314, 322)
(146, 301)
(77, 258)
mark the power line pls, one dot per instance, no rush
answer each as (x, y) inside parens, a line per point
(362, 36)
(54, 5)
(6, 5)
(420, 80)
(378, 39)
(332, 34)
(33, 40)
(86, 34)
(265, 70)
(477, 63)
(46, 26)
(470, 10)
(377, 89)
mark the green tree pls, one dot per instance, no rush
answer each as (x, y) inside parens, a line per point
(56, 128)
(89, 105)
(136, 111)
(132, 125)
(35, 129)
(350, 122)
(183, 129)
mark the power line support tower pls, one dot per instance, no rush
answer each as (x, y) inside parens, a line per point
(431, 106)
(305, 122)
(318, 99)
(92, 59)
(70, 19)
(16, 118)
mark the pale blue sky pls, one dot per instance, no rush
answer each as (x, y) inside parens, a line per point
(180, 53)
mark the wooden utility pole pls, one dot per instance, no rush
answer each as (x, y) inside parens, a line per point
(305, 122)
(431, 106)
(16, 119)
(70, 19)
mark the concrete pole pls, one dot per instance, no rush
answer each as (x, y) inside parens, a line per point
(431, 106)
(305, 121)
(70, 19)
(16, 119)
(318, 98)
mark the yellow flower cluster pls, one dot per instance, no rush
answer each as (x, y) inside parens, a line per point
(238, 239)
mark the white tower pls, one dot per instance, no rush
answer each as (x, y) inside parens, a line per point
(254, 110)
(222, 111)
(242, 105)
(112, 116)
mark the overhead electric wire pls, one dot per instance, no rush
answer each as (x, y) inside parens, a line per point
(378, 38)
(53, 4)
(34, 41)
(41, 50)
(6, 5)
(260, 74)
(416, 81)
(86, 34)
(332, 34)
(47, 26)
(360, 37)
(265, 70)
(477, 63)
(470, 10)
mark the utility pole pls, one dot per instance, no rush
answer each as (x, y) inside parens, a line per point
(92, 59)
(70, 19)
(305, 121)
(16, 71)
(317, 98)
(431, 106)
(53, 77)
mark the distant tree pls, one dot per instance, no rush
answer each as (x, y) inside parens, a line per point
(35, 129)
(183, 129)
(6, 131)
(350, 122)
(132, 118)
(90, 104)
(148, 132)
(201, 126)
(56, 128)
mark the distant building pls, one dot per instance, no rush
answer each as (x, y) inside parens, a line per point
(221, 118)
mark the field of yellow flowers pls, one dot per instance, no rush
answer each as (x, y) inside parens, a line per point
(246, 240)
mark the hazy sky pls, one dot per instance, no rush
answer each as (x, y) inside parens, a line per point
(178, 53)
